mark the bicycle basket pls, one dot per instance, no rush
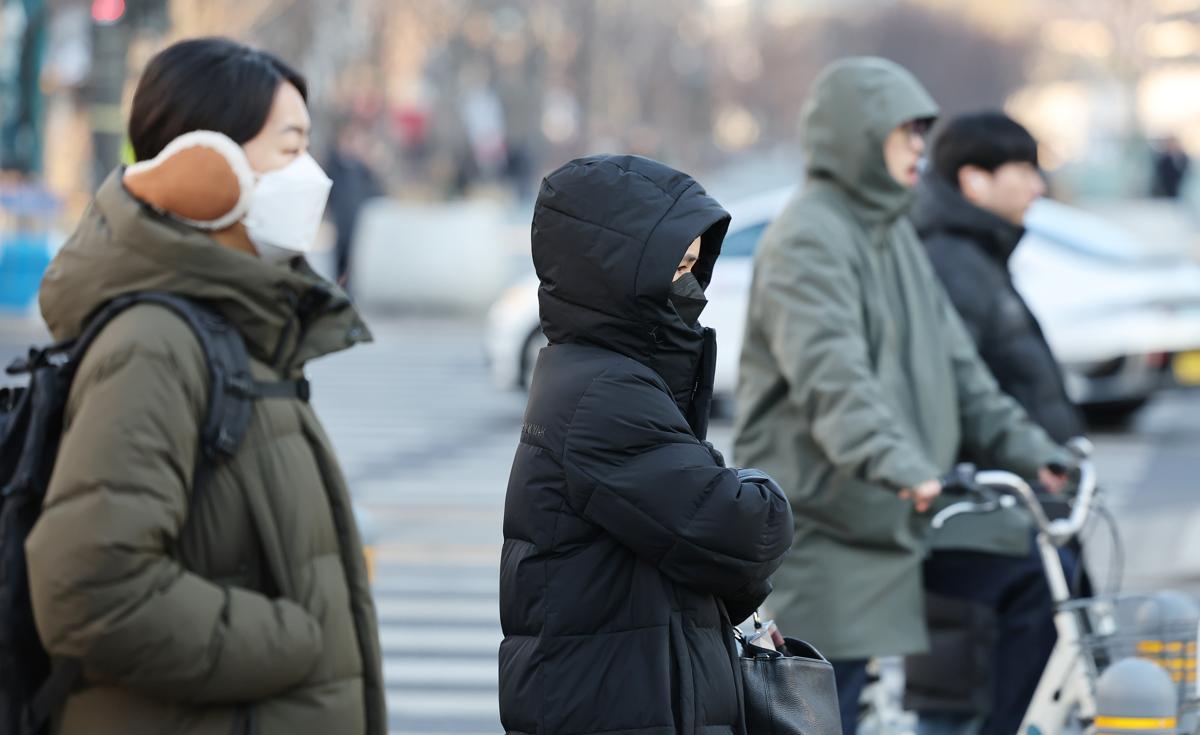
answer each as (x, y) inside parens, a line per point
(1136, 627)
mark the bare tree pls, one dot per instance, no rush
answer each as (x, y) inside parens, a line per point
(963, 66)
(321, 38)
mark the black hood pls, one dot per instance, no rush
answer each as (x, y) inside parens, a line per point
(941, 208)
(608, 234)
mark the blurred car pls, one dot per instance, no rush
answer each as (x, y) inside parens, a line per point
(1122, 318)
(1123, 321)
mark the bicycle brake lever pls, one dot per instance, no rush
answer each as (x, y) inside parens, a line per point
(958, 509)
(990, 505)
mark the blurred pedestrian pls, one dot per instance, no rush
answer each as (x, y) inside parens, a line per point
(354, 184)
(248, 611)
(858, 382)
(629, 548)
(1171, 165)
(970, 212)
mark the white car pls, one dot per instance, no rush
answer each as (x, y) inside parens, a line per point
(1123, 320)
(1122, 323)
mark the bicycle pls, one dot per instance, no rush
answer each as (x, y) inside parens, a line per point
(1094, 634)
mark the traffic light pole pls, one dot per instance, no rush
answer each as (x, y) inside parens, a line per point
(110, 48)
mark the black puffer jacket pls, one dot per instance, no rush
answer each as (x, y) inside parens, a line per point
(623, 534)
(970, 247)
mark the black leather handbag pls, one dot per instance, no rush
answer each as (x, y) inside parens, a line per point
(788, 692)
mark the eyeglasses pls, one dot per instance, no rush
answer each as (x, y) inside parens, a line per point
(917, 130)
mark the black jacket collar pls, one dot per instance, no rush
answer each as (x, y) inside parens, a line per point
(941, 208)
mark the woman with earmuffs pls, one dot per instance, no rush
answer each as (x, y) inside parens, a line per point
(249, 611)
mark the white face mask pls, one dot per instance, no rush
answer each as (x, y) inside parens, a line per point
(286, 208)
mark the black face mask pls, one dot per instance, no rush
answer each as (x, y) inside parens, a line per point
(687, 296)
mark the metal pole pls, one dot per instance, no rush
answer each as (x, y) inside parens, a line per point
(110, 43)
(21, 143)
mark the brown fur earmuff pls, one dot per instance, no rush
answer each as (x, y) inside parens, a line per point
(201, 178)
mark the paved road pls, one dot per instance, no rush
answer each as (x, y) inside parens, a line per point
(426, 443)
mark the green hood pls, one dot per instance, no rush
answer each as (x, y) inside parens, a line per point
(287, 316)
(854, 104)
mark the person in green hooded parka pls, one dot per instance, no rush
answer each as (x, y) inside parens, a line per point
(859, 385)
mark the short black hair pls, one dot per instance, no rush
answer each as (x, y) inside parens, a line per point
(206, 84)
(984, 139)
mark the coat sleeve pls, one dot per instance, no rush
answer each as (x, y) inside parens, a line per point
(993, 424)
(808, 302)
(104, 585)
(634, 468)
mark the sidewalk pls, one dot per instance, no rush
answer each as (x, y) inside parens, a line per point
(1150, 479)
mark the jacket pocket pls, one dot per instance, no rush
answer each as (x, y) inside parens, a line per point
(244, 721)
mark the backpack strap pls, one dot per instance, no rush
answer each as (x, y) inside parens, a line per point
(232, 387)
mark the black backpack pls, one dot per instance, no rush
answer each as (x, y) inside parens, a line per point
(32, 687)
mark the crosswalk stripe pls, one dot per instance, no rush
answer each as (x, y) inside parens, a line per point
(443, 723)
(439, 609)
(482, 641)
(456, 731)
(424, 586)
(429, 553)
(428, 673)
(421, 702)
(426, 731)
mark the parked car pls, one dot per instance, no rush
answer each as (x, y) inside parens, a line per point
(1123, 320)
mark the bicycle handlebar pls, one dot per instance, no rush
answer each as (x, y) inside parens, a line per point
(985, 485)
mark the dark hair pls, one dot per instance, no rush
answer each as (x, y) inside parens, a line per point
(984, 139)
(206, 84)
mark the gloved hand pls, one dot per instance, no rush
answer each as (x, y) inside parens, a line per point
(743, 604)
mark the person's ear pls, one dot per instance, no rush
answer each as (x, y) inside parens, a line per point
(972, 180)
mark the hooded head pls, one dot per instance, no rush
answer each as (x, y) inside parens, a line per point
(608, 235)
(853, 107)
